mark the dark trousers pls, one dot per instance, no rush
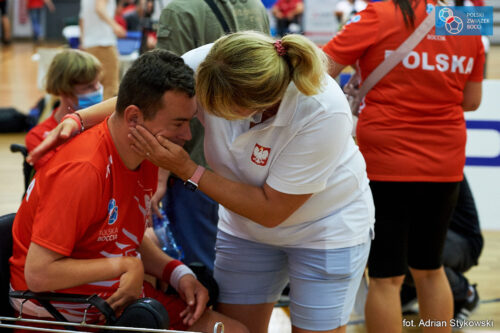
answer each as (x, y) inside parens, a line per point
(283, 24)
(457, 259)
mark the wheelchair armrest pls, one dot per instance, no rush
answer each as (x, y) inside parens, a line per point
(45, 298)
(19, 148)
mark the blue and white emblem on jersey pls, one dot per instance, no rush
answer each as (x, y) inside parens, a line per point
(429, 8)
(112, 211)
(29, 189)
(354, 19)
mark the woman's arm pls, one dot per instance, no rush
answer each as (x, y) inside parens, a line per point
(100, 8)
(93, 115)
(472, 95)
(67, 128)
(263, 205)
(334, 68)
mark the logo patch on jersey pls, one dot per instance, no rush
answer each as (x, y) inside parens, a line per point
(112, 211)
(429, 8)
(108, 235)
(29, 189)
(354, 19)
(260, 154)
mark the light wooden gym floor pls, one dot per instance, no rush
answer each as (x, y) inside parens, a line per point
(18, 88)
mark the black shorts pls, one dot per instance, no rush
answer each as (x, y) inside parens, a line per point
(411, 220)
(3, 8)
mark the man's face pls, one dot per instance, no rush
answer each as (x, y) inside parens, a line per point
(172, 119)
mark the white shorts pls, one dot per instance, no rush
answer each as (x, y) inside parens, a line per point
(323, 283)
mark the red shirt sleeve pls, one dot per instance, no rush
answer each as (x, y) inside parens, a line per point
(356, 36)
(477, 73)
(74, 194)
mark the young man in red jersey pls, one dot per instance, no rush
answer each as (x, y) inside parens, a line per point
(81, 224)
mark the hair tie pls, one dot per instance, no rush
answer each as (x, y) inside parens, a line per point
(278, 45)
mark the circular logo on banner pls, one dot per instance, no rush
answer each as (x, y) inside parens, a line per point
(445, 14)
(454, 25)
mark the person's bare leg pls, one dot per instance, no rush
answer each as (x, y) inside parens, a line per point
(5, 29)
(340, 329)
(383, 305)
(435, 299)
(254, 316)
(208, 320)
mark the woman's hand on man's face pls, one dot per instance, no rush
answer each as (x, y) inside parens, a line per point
(162, 152)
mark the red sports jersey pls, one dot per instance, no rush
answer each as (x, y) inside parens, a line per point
(35, 4)
(287, 6)
(84, 204)
(36, 135)
(411, 126)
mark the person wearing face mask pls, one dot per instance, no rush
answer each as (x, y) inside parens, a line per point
(74, 77)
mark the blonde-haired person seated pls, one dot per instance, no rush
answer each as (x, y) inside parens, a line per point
(73, 76)
(295, 202)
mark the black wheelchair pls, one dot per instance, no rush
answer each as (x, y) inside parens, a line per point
(144, 315)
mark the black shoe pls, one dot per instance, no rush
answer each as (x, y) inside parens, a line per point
(465, 308)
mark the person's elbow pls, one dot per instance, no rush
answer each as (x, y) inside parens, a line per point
(471, 105)
(271, 220)
(472, 96)
(35, 277)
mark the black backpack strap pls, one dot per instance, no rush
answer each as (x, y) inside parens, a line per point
(219, 16)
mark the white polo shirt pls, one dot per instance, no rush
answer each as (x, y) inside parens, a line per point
(305, 148)
(97, 32)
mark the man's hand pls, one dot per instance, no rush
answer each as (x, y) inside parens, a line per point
(59, 135)
(196, 297)
(161, 189)
(130, 287)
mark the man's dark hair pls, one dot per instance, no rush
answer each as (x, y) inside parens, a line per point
(150, 76)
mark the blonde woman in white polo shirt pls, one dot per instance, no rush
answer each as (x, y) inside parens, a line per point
(295, 202)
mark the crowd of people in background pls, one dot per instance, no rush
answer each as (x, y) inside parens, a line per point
(270, 188)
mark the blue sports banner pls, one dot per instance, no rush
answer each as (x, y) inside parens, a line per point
(464, 20)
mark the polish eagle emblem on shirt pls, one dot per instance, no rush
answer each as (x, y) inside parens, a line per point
(260, 154)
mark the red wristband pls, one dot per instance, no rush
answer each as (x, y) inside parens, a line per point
(169, 268)
(76, 117)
